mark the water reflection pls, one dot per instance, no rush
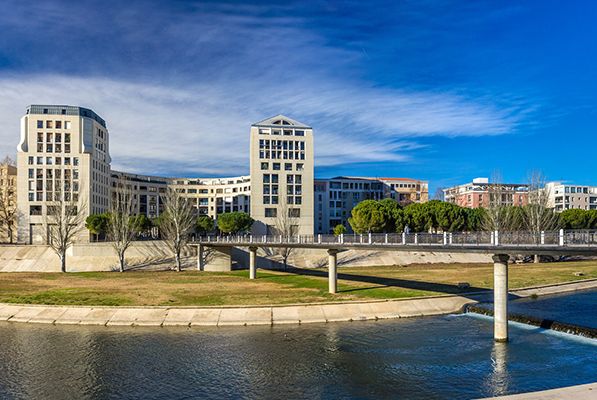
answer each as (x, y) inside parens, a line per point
(440, 357)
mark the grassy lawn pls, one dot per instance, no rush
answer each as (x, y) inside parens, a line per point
(299, 286)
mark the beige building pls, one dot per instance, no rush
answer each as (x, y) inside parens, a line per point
(564, 196)
(482, 193)
(62, 150)
(8, 202)
(281, 165)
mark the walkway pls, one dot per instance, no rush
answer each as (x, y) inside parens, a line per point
(580, 392)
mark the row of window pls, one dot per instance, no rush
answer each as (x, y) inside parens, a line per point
(52, 138)
(281, 144)
(274, 199)
(52, 160)
(292, 212)
(284, 132)
(53, 173)
(281, 155)
(50, 124)
(276, 166)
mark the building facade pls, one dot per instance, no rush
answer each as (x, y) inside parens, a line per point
(282, 173)
(481, 193)
(63, 153)
(566, 197)
(336, 197)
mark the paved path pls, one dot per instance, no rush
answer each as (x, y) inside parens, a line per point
(580, 392)
(261, 315)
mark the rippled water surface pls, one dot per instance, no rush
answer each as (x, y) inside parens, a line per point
(449, 357)
(578, 308)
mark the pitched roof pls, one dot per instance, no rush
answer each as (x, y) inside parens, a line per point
(282, 121)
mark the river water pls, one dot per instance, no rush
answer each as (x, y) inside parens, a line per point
(445, 357)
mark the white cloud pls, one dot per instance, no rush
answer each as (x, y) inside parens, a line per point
(203, 129)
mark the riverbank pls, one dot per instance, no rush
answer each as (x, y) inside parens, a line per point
(296, 286)
(259, 315)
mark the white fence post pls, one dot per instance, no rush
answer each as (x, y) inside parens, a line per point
(542, 237)
(445, 238)
(386, 238)
(361, 237)
(416, 238)
(561, 237)
(369, 237)
(342, 238)
(319, 238)
(403, 237)
(450, 238)
(496, 240)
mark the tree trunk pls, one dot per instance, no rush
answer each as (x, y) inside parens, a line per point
(63, 263)
(121, 258)
(178, 267)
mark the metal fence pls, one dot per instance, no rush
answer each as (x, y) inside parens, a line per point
(545, 238)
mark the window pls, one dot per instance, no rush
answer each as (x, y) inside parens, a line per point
(67, 148)
(34, 210)
(30, 160)
(266, 200)
(58, 124)
(276, 166)
(299, 167)
(287, 132)
(298, 200)
(40, 124)
(274, 199)
(49, 124)
(271, 212)
(287, 167)
(66, 125)
(276, 132)
(266, 178)
(274, 178)
(264, 165)
(299, 133)
(67, 138)
(294, 212)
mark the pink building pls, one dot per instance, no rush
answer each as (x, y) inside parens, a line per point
(481, 193)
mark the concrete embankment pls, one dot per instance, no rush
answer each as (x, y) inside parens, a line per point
(260, 315)
(155, 255)
(579, 392)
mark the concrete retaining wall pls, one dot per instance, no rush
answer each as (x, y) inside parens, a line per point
(155, 255)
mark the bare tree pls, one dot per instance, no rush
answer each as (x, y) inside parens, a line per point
(500, 215)
(65, 215)
(537, 215)
(177, 223)
(8, 204)
(287, 225)
(121, 223)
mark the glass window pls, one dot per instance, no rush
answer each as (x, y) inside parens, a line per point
(271, 212)
(58, 124)
(40, 124)
(264, 165)
(266, 178)
(49, 124)
(299, 133)
(287, 166)
(276, 166)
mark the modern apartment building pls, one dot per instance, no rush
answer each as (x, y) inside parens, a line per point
(281, 166)
(336, 197)
(8, 202)
(481, 193)
(63, 152)
(566, 196)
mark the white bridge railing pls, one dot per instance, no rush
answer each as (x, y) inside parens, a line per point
(561, 237)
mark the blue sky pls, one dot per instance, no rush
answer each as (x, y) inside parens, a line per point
(438, 90)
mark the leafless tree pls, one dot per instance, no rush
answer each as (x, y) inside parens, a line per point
(121, 223)
(537, 215)
(177, 223)
(500, 215)
(65, 215)
(287, 225)
(8, 204)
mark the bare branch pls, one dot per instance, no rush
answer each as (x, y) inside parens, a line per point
(177, 222)
(121, 226)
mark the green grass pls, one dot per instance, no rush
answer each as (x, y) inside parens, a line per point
(194, 288)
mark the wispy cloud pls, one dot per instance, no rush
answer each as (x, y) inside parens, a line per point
(179, 83)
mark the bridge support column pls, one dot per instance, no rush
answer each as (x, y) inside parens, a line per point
(500, 297)
(200, 266)
(252, 260)
(332, 270)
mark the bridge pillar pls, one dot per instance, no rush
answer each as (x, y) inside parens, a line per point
(500, 297)
(252, 260)
(200, 258)
(332, 270)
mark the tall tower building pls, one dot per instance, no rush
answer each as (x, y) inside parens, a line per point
(282, 159)
(62, 149)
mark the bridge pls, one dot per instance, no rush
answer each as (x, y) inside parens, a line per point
(501, 245)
